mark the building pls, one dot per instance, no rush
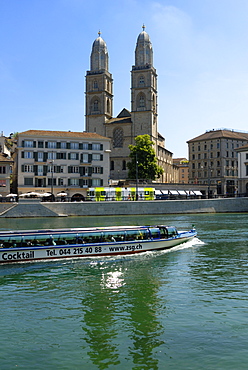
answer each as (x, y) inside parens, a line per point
(56, 161)
(143, 117)
(243, 170)
(213, 160)
(183, 168)
(5, 174)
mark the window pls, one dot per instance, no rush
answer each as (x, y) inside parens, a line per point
(118, 138)
(96, 146)
(96, 105)
(246, 170)
(28, 143)
(63, 145)
(141, 101)
(74, 145)
(96, 170)
(74, 182)
(40, 144)
(96, 157)
(85, 146)
(2, 169)
(28, 155)
(74, 156)
(40, 156)
(52, 144)
(85, 158)
(246, 155)
(124, 165)
(141, 81)
(96, 182)
(61, 182)
(28, 168)
(95, 85)
(112, 165)
(51, 155)
(28, 181)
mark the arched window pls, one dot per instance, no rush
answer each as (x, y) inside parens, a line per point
(96, 105)
(118, 138)
(141, 81)
(141, 100)
(108, 106)
(95, 85)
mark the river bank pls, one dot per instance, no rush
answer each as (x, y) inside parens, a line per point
(34, 208)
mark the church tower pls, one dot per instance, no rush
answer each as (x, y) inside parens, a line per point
(144, 90)
(99, 89)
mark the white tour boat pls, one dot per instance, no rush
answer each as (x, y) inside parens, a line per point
(37, 245)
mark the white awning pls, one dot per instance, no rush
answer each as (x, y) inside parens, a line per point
(165, 192)
(173, 192)
(181, 192)
(197, 192)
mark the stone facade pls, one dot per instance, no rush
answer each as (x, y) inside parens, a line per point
(143, 117)
(60, 161)
(213, 160)
(243, 170)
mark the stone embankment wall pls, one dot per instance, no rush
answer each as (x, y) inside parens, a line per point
(36, 209)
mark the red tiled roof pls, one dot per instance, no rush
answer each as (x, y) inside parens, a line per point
(63, 134)
(217, 134)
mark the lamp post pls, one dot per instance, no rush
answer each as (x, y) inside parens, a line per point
(136, 167)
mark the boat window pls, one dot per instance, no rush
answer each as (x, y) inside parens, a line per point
(136, 234)
(89, 238)
(114, 236)
(163, 232)
(172, 231)
(155, 233)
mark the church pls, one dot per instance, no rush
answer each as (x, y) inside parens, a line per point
(140, 120)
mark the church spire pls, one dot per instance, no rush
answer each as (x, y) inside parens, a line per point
(99, 58)
(143, 51)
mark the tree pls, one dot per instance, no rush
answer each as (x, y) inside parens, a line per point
(143, 158)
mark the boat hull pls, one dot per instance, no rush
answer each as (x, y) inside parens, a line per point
(59, 252)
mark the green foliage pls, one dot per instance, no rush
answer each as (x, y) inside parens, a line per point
(144, 154)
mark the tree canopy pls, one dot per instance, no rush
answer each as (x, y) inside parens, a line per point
(145, 156)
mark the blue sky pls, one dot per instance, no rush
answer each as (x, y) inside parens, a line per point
(200, 53)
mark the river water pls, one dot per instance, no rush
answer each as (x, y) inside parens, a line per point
(186, 308)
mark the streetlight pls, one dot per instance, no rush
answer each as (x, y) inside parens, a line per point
(136, 167)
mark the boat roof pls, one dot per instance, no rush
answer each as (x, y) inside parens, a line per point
(74, 230)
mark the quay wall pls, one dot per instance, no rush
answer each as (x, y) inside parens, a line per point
(31, 208)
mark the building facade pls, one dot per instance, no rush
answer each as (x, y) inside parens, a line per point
(5, 174)
(243, 169)
(143, 117)
(213, 160)
(183, 169)
(60, 161)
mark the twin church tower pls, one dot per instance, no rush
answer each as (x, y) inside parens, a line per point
(142, 119)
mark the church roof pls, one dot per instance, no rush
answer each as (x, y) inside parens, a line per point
(123, 117)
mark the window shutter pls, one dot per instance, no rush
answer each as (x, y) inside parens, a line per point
(68, 146)
(23, 168)
(90, 171)
(69, 155)
(101, 158)
(101, 170)
(90, 158)
(89, 146)
(22, 154)
(46, 144)
(101, 146)
(34, 144)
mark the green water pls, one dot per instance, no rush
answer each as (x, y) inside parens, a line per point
(186, 308)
